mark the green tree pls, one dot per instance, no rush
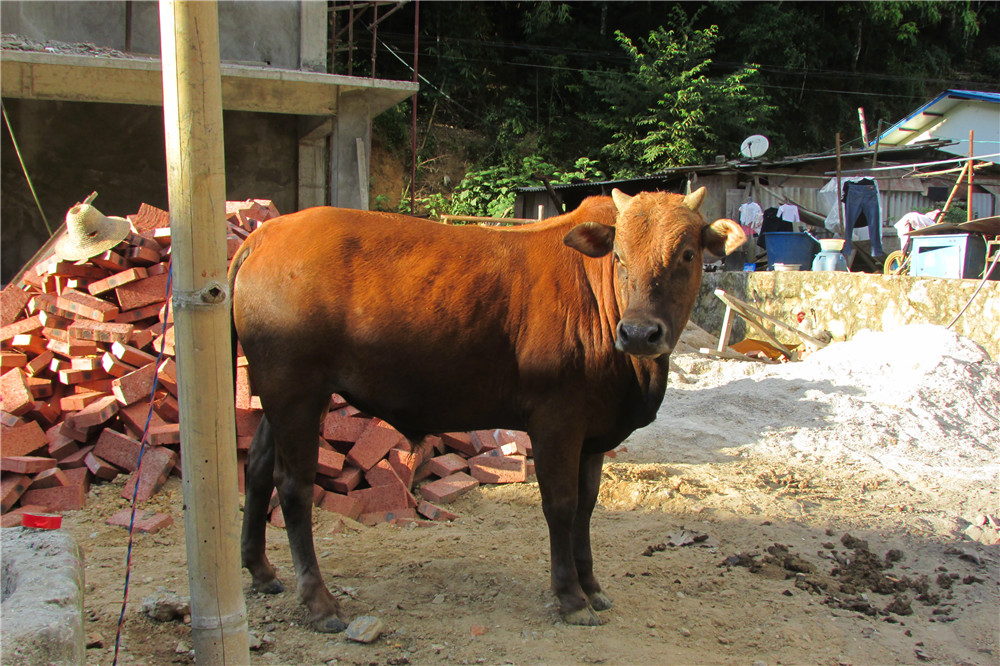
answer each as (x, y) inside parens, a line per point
(669, 111)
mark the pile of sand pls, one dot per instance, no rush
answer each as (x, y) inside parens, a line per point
(919, 402)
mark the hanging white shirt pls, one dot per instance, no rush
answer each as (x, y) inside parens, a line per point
(789, 213)
(752, 215)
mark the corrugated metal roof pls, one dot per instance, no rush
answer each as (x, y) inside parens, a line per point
(931, 113)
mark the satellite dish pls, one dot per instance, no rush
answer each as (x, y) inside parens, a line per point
(754, 146)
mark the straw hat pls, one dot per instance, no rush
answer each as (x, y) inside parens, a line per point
(89, 232)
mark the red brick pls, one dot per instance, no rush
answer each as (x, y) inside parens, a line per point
(142, 292)
(38, 364)
(342, 504)
(345, 429)
(405, 465)
(100, 468)
(8, 420)
(277, 518)
(517, 437)
(76, 460)
(47, 413)
(166, 375)
(23, 439)
(247, 421)
(61, 446)
(447, 464)
(169, 433)
(79, 476)
(12, 486)
(330, 463)
(49, 478)
(134, 418)
(26, 464)
(86, 305)
(70, 269)
(95, 413)
(59, 498)
(434, 512)
(147, 521)
(17, 398)
(346, 481)
(110, 260)
(115, 367)
(31, 343)
(382, 474)
(167, 408)
(376, 441)
(129, 354)
(372, 518)
(461, 442)
(139, 314)
(32, 324)
(118, 279)
(498, 469)
(96, 331)
(10, 359)
(135, 386)
(68, 349)
(318, 494)
(143, 256)
(13, 300)
(164, 343)
(449, 488)
(243, 391)
(118, 449)
(40, 387)
(383, 498)
(74, 402)
(486, 440)
(148, 218)
(71, 376)
(157, 464)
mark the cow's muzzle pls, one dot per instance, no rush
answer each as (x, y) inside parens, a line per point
(642, 337)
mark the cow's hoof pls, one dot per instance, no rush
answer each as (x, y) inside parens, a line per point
(583, 617)
(329, 625)
(273, 586)
(600, 601)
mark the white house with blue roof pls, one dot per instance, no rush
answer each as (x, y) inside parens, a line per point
(950, 116)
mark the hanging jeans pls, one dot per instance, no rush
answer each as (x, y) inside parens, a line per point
(863, 198)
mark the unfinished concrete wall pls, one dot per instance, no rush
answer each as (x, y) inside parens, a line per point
(72, 148)
(251, 32)
(846, 303)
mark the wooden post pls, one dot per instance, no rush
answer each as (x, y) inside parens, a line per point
(840, 193)
(192, 113)
(971, 172)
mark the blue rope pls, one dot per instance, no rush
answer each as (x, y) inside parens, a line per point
(138, 469)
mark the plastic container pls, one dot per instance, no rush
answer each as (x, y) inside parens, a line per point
(789, 247)
(831, 244)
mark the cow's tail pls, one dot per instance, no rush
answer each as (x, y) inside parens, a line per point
(234, 266)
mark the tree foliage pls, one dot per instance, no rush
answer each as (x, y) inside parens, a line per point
(637, 86)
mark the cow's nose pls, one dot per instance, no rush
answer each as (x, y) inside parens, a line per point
(642, 337)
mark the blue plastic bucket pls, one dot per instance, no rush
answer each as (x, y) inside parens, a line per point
(788, 247)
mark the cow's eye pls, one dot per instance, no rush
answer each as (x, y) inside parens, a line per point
(688, 255)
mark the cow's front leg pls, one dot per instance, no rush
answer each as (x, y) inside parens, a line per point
(557, 466)
(295, 473)
(259, 482)
(589, 485)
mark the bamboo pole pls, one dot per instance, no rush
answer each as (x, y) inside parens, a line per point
(840, 192)
(971, 173)
(192, 113)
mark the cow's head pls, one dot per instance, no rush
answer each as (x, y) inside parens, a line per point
(657, 245)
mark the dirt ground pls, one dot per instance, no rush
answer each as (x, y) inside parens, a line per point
(717, 547)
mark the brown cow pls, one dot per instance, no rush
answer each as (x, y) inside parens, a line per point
(562, 328)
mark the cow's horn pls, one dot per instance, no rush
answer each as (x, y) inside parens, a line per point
(621, 199)
(693, 200)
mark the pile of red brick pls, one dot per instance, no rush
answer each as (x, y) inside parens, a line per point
(83, 342)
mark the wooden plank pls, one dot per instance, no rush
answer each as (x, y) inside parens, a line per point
(747, 309)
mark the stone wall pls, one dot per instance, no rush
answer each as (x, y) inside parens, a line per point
(845, 303)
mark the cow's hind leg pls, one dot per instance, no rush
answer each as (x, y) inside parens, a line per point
(589, 485)
(557, 464)
(259, 482)
(296, 445)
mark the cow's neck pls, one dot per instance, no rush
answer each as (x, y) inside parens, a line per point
(649, 374)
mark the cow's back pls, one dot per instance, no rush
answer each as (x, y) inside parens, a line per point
(433, 328)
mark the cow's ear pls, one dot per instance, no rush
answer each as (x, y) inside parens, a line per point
(591, 238)
(722, 237)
